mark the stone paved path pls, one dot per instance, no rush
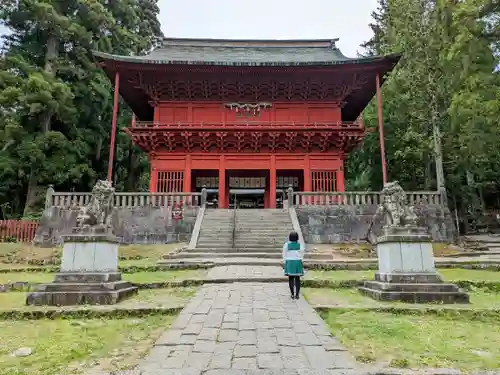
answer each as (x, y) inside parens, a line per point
(247, 272)
(247, 329)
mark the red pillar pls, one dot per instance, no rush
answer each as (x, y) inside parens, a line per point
(340, 177)
(307, 175)
(113, 128)
(272, 182)
(187, 175)
(153, 178)
(381, 129)
(222, 183)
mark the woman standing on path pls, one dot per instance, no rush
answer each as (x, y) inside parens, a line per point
(293, 253)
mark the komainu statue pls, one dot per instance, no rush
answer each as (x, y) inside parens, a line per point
(394, 210)
(97, 213)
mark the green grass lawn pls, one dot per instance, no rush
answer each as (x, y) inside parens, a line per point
(20, 255)
(69, 345)
(164, 276)
(138, 277)
(451, 274)
(32, 277)
(352, 297)
(418, 341)
(169, 297)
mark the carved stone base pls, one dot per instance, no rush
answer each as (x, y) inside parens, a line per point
(413, 288)
(82, 289)
(87, 252)
(405, 250)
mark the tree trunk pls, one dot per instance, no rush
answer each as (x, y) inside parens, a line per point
(98, 149)
(131, 176)
(438, 154)
(31, 194)
(50, 57)
(428, 173)
(51, 54)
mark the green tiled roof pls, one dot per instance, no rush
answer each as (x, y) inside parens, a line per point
(242, 53)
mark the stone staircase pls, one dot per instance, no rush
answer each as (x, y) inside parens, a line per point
(482, 246)
(263, 229)
(216, 230)
(259, 235)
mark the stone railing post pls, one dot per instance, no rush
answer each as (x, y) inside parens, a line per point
(203, 196)
(444, 196)
(48, 196)
(290, 196)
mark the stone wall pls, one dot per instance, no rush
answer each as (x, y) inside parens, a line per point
(137, 225)
(350, 223)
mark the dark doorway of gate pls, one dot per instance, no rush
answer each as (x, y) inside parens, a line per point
(246, 198)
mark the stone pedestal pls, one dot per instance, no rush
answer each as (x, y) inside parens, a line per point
(407, 272)
(89, 274)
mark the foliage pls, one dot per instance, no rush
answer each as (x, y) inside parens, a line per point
(446, 83)
(56, 104)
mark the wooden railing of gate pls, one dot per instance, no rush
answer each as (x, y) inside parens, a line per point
(360, 198)
(18, 230)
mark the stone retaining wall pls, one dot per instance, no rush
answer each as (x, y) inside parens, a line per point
(135, 225)
(350, 223)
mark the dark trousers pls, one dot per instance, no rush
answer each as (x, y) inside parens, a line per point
(294, 284)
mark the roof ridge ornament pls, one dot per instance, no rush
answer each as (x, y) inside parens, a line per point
(333, 43)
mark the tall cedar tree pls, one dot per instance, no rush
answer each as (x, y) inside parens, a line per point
(446, 81)
(55, 102)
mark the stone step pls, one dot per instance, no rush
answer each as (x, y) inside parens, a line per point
(260, 233)
(427, 287)
(409, 278)
(259, 241)
(215, 235)
(416, 297)
(230, 249)
(246, 223)
(208, 243)
(216, 226)
(263, 218)
(77, 297)
(87, 277)
(206, 255)
(263, 254)
(267, 228)
(221, 261)
(263, 240)
(215, 239)
(68, 287)
(221, 228)
(485, 240)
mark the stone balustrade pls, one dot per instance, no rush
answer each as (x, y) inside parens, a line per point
(72, 200)
(350, 198)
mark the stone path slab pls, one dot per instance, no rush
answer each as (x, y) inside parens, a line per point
(247, 328)
(246, 272)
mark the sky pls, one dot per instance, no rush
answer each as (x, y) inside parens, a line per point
(269, 19)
